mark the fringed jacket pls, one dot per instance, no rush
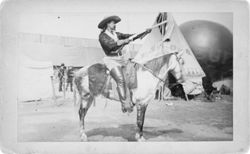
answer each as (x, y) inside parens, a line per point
(109, 44)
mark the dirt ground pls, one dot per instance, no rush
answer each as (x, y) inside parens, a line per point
(177, 121)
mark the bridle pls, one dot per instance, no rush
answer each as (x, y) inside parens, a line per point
(150, 71)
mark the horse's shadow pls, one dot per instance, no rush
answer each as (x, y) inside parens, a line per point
(127, 132)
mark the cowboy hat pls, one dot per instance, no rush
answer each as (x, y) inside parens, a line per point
(106, 20)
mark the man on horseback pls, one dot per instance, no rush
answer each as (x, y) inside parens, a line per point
(112, 43)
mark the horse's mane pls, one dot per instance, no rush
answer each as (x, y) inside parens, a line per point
(156, 64)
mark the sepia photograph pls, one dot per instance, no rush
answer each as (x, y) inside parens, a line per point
(161, 76)
(94, 76)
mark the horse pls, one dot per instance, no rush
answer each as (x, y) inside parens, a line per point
(153, 72)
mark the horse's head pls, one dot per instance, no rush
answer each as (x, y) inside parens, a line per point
(163, 65)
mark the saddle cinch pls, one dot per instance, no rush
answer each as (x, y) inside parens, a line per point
(100, 81)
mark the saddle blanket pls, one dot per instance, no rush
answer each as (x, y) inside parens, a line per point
(98, 78)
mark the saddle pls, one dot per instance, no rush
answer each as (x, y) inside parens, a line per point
(99, 78)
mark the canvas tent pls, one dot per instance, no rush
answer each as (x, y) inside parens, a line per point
(168, 39)
(39, 53)
(34, 79)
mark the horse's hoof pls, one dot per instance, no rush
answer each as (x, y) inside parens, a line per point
(137, 136)
(141, 139)
(84, 137)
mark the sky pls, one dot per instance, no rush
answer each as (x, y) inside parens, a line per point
(84, 25)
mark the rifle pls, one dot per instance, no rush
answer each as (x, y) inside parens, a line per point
(140, 35)
(132, 38)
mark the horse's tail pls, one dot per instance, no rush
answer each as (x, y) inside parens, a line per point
(78, 88)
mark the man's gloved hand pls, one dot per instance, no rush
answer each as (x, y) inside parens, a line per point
(148, 30)
(127, 40)
(142, 35)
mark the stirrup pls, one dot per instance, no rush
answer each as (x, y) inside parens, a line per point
(127, 105)
(127, 109)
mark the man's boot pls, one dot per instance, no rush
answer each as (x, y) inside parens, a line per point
(118, 76)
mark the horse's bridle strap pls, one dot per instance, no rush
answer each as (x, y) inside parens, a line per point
(143, 66)
(152, 73)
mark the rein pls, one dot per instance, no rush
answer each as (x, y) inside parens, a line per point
(143, 66)
(153, 72)
(149, 70)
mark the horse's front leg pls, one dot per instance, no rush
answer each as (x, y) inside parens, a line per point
(84, 106)
(141, 110)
